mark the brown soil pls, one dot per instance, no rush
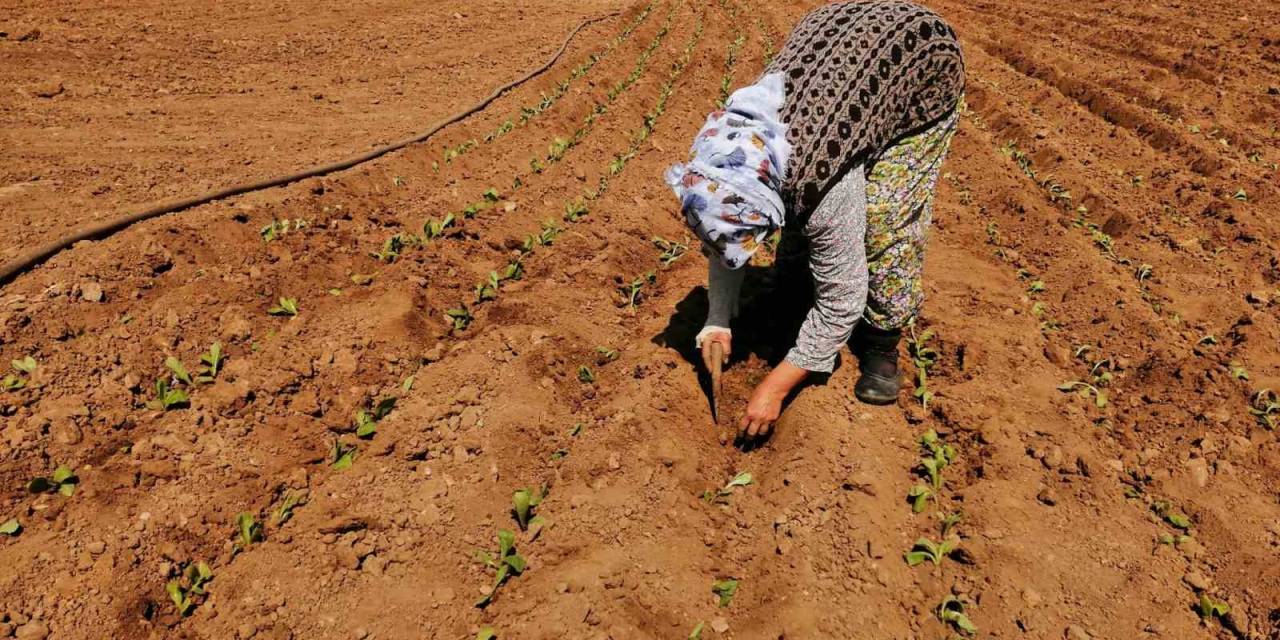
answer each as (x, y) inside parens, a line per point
(1106, 210)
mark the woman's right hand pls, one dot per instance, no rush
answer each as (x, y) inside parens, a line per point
(722, 338)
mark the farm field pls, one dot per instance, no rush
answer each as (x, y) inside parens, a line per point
(453, 390)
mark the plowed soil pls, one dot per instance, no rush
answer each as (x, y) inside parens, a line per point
(1105, 224)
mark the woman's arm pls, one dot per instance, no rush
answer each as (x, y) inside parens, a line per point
(723, 286)
(838, 260)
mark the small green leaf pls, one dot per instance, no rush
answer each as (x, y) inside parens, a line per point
(487, 633)
(741, 480)
(536, 525)
(11, 527)
(1210, 608)
(179, 370)
(286, 307)
(696, 634)
(26, 365)
(725, 589)
(342, 456)
(1178, 520)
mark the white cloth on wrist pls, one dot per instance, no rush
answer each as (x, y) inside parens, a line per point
(708, 330)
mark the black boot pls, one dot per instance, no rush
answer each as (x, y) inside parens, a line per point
(877, 352)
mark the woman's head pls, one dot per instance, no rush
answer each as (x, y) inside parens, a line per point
(729, 189)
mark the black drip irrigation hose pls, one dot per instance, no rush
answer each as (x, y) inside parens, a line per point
(103, 229)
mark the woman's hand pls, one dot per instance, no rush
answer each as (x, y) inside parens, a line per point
(765, 405)
(722, 338)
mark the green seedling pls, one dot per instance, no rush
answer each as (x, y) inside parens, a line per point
(1085, 390)
(361, 280)
(179, 370)
(212, 363)
(1172, 540)
(486, 633)
(558, 454)
(574, 210)
(523, 502)
(433, 228)
(391, 248)
(278, 228)
(557, 149)
(1241, 195)
(488, 290)
(605, 355)
(575, 430)
(617, 165)
(1035, 287)
(1210, 608)
(631, 292)
(407, 385)
(725, 590)
(513, 271)
(10, 527)
(696, 634)
(925, 549)
(460, 317)
(671, 250)
(1238, 371)
(342, 456)
(949, 522)
(1143, 273)
(585, 376)
(12, 383)
(168, 398)
(506, 564)
(722, 494)
(491, 195)
(248, 530)
(285, 307)
(1166, 511)
(188, 591)
(536, 166)
(63, 481)
(284, 512)
(919, 495)
(951, 611)
(1265, 406)
(367, 419)
(26, 365)
(1208, 340)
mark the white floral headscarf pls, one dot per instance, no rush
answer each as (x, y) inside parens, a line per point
(729, 189)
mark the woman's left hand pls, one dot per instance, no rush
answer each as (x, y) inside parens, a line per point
(765, 404)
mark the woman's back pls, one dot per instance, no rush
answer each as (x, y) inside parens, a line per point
(860, 75)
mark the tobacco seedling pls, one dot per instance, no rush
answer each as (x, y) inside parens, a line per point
(951, 611)
(212, 362)
(585, 375)
(632, 292)
(671, 250)
(949, 522)
(62, 481)
(12, 383)
(1241, 195)
(367, 419)
(186, 597)
(1265, 406)
(10, 527)
(725, 590)
(1238, 371)
(523, 502)
(284, 512)
(391, 248)
(1085, 390)
(278, 228)
(574, 210)
(1176, 518)
(488, 289)
(342, 456)
(433, 228)
(925, 549)
(1035, 287)
(696, 634)
(486, 633)
(168, 398)
(1210, 608)
(460, 317)
(722, 494)
(491, 195)
(179, 370)
(26, 365)
(506, 564)
(920, 494)
(285, 307)
(605, 355)
(248, 530)
(1143, 273)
